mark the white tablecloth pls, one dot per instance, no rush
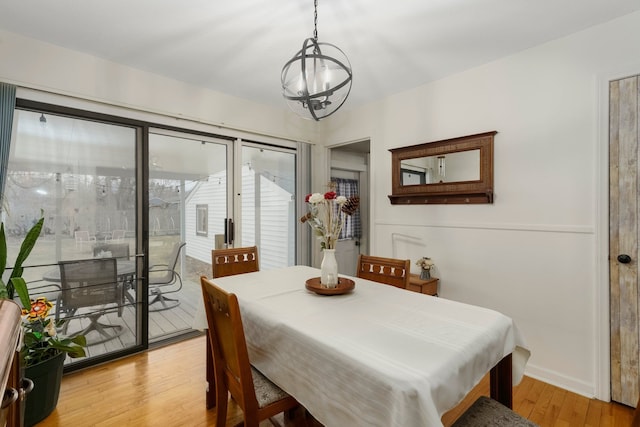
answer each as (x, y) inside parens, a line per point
(379, 356)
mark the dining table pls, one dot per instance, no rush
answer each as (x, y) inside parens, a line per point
(376, 355)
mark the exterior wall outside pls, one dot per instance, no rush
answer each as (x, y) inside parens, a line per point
(274, 233)
(213, 194)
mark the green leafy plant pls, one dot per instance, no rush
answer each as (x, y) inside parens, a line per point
(41, 341)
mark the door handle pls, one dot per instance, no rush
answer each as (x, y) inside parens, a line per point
(228, 231)
(624, 259)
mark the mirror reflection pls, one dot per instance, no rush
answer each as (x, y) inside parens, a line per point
(450, 167)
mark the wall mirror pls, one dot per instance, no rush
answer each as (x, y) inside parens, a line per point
(457, 170)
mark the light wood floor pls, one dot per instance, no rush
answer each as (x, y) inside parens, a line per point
(165, 387)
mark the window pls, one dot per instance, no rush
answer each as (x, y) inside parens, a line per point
(202, 220)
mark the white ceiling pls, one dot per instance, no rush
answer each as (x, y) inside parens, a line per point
(239, 46)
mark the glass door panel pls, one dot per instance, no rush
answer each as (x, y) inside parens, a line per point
(268, 211)
(187, 209)
(80, 175)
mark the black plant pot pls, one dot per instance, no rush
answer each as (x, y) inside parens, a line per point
(42, 400)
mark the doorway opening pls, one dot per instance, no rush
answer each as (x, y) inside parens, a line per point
(350, 163)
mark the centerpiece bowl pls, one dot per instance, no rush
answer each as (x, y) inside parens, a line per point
(344, 286)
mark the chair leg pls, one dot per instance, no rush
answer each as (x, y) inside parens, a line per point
(101, 328)
(298, 417)
(161, 297)
(211, 379)
(165, 302)
(222, 399)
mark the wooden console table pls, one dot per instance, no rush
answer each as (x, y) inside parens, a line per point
(428, 286)
(11, 393)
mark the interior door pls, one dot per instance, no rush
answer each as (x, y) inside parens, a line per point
(623, 244)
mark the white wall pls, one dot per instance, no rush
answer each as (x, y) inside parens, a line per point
(536, 253)
(33, 64)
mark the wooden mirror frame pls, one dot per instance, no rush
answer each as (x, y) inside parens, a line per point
(460, 192)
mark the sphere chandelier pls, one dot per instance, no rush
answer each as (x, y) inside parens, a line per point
(317, 80)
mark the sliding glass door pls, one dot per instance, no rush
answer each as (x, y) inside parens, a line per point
(268, 204)
(80, 175)
(188, 192)
(153, 200)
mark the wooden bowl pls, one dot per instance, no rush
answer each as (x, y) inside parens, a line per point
(344, 286)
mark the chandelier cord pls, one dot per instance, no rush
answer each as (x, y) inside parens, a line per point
(315, 20)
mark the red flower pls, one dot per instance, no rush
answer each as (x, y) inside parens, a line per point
(330, 195)
(306, 199)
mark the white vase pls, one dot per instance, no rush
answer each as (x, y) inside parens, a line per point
(329, 269)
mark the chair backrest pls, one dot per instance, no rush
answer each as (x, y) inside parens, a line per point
(174, 257)
(82, 236)
(168, 267)
(230, 356)
(389, 271)
(118, 235)
(227, 262)
(88, 282)
(108, 250)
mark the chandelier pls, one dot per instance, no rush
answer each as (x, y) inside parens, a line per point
(317, 80)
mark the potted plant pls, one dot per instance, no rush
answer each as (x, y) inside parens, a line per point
(43, 351)
(426, 264)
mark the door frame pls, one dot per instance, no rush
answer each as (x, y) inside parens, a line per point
(364, 180)
(602, 339)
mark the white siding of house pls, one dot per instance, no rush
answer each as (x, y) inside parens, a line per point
(213, 194)
(275, 212)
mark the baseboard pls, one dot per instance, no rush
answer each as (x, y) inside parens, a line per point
(559, 380)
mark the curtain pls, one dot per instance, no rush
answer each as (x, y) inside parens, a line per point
(347, 188)
(7, 106)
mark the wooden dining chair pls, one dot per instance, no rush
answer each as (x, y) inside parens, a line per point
(389, 271)
(258, 397)
(227, 262)
(486, 412)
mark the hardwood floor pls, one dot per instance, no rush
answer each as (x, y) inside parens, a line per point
(165, 387)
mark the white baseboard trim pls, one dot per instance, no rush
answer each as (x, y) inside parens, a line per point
(559, 380)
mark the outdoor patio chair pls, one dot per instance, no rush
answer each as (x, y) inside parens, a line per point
(90, 289)
(117, 236)
(389, 271)
(108, 250)
(83, 237)
(164, 279)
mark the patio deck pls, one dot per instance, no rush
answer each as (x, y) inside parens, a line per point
(163, 324)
